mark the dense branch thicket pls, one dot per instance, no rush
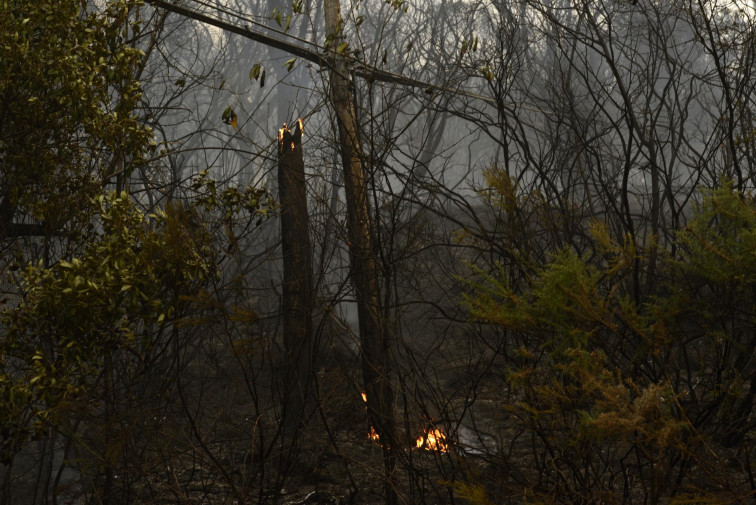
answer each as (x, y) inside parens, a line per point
(545, 293)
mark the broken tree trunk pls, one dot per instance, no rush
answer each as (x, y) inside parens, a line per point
(374, 343)
(297, 283)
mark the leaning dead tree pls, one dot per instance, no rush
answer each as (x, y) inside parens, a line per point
(374, 341)
(297, 281)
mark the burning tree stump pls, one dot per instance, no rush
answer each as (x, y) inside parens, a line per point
(297, 282)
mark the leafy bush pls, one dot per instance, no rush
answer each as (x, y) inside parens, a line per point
(612, 400)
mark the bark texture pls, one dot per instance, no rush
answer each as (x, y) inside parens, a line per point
(297, 281)
(374, 342)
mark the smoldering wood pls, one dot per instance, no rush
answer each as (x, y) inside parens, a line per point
(297, 303)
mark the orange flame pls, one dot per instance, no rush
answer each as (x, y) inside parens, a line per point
(433, 440)
(286, 129)
(373, 434)
(280, 136)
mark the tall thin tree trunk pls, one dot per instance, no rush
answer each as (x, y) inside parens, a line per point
(297, 283)
(374, 342)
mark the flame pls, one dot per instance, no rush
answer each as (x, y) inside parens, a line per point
(433, 440)
(373, 435)
(286, 129)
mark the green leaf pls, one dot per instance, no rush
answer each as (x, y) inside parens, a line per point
(227, 113)
(254, 74)
(290, 64)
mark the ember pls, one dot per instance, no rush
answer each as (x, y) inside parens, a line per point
(433, 440)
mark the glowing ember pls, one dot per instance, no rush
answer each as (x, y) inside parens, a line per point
(433, 440)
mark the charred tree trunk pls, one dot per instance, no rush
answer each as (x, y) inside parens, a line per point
(374, 342)
(297, 283)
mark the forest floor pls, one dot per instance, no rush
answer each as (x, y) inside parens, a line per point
(340, 463)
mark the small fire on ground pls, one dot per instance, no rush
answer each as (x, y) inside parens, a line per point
(432, 440)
